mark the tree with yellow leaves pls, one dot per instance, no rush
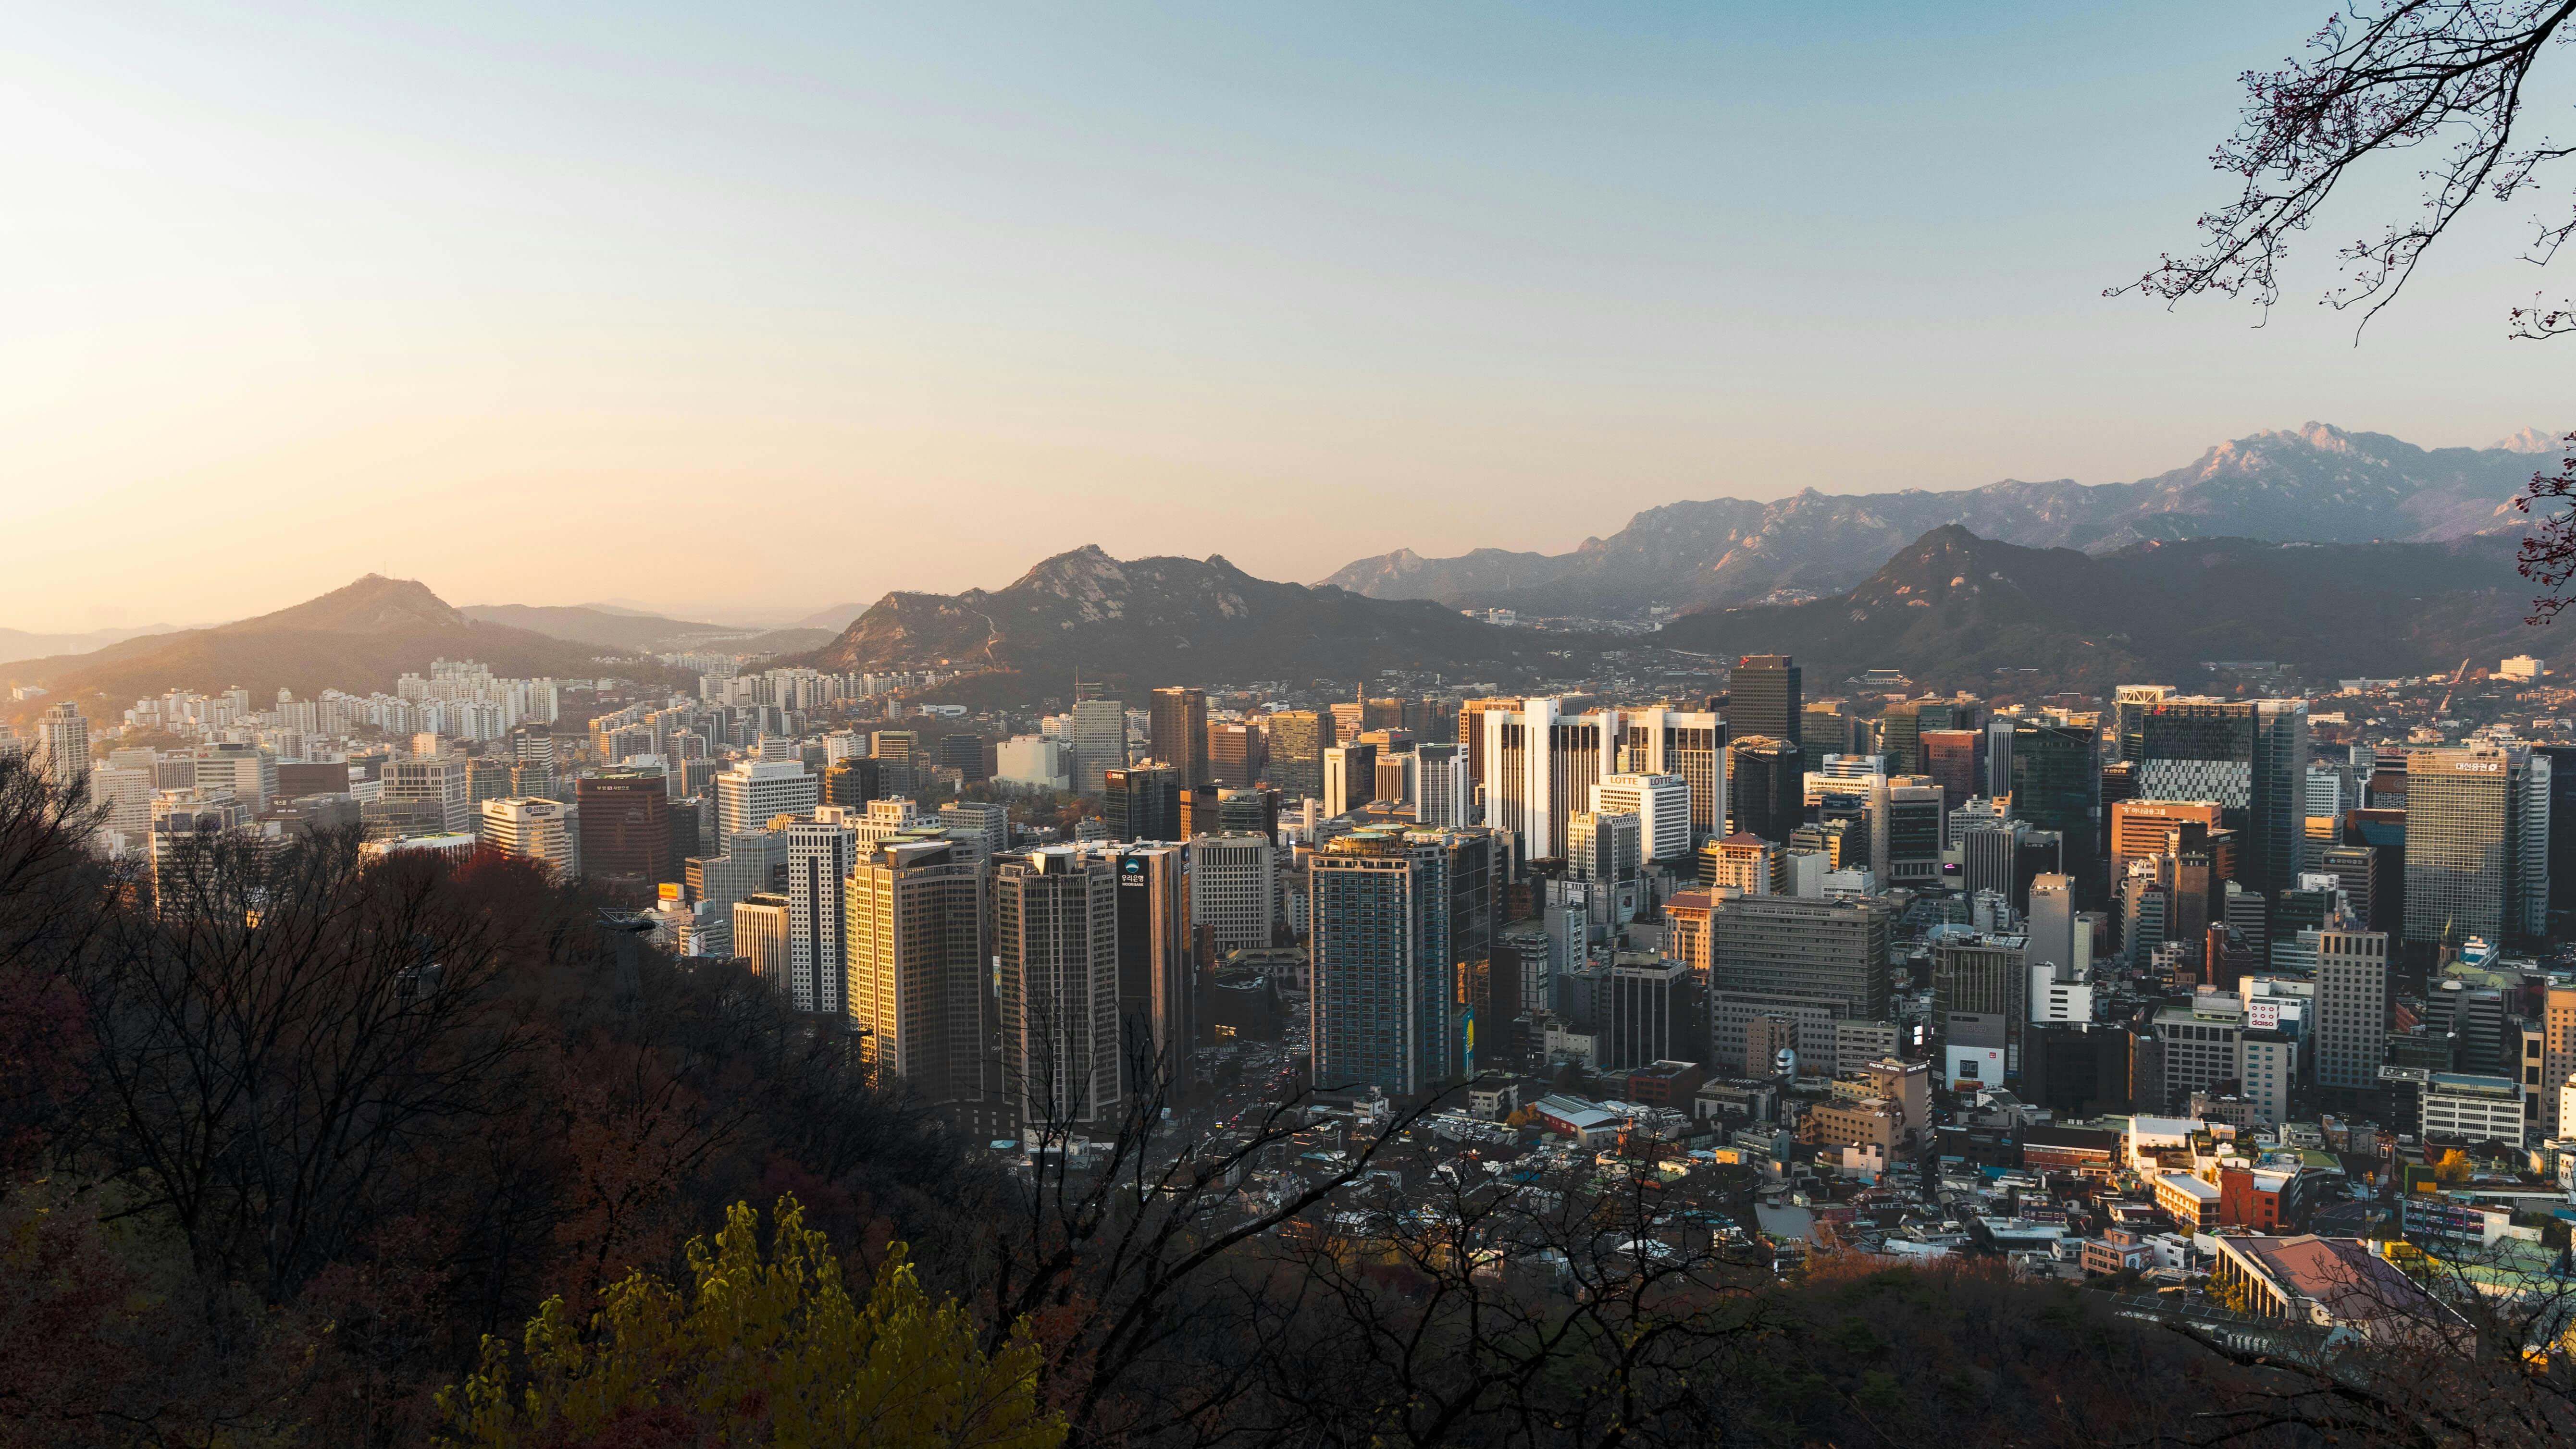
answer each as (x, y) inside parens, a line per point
(764, 1351)
(2453, 1166)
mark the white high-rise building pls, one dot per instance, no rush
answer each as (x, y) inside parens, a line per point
(245, 772)
(1234, 884)
(820, 853)
(1662, 805)
(2059, 993)
(2051, 931)
(1540, 766)
(442, 780)
(1683, 742)
(1608, 851)
(184, 827)
(2330, 790)
(989, 821)
(62, 745)
(1444, 794)
(1039, 760)
(761, 933)
(753, 793)
(1350, 778)
(885, 818)
(125, 792)
(2352, 1008)
(545, 831)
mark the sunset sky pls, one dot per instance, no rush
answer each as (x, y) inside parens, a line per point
(741, 311)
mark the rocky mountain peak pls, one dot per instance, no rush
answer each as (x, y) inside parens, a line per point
(373, 604)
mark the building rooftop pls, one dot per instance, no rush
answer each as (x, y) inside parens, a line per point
(2340, 1275)
(2475, 1084)
(1575, 1112)
(2189, 1186)
(2078, 1137)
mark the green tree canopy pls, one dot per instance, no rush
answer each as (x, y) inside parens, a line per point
(759, 1350)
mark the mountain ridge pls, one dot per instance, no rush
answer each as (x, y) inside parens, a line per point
(1165, 618)
(1954, 609)
(597, 624)
(2317, 483)
(359, 637)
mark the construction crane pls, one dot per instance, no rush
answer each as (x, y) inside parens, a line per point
(2444, 708)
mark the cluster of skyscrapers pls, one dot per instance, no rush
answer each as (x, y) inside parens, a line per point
(1747, 879)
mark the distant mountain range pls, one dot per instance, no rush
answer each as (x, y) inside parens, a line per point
(832, 620)
(616, 628)
(1953, 610)
(358, 638)
(630, 629)
(1156, 621)
(2318, 484)
(17, 644)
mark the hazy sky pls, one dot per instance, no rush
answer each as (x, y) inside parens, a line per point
(762, 307)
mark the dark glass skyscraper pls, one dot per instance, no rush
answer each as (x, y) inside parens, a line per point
(852, 783)
(1179, 723)
(626, 826)
(1900, 729)
(2057, 785)
(2562, 834)
(1956, 761)
(2251, 756)
(1293, 744)
(1766, 783)
(1383, 1004)
(1764, 700)
(1141, 802)
(1157, 982)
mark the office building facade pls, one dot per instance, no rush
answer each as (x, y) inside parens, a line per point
(1382, 991)
(1234, 885)
(1766, 779)
(1141, 802)
(1662, 805)
(2477, 843)
(1350, 778)
(1293, 743)
(2250, 756)
(820, 855)
(1763, 698)
(1099, 742)
(761, 928)
(1055, 952)
(1158, 966)
(1178, 729)
(545, 831)
(755, 792)
(626, 826)
(916, 964)
(2352, 1008)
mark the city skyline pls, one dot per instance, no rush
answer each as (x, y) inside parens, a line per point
(1462, 725)
(1297, 289)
